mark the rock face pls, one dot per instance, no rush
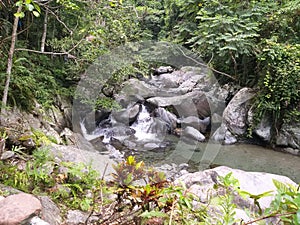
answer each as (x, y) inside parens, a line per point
(19, 208)
(50, 212)
(234, 121)
(235, 114)
(202, 183)
(99, 162)
(166, 102)
(289, 136)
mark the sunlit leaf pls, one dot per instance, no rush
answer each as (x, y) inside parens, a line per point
(20, 14)
(36, 14)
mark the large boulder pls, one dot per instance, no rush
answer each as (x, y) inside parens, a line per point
(234, 122)
(99, 162)
(235, 114)
(190, 104)
(127, 116)
(289, 136)
(135, 90)
(19, 209)
(203, 182)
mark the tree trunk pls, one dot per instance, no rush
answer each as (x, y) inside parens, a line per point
(9, 65)
(44, 32)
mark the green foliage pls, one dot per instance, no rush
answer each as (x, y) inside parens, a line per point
(30, 6)
(286, 204)
(41, 175)
(279, 94)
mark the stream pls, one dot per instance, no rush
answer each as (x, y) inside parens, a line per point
(171, 117)
(157, 149)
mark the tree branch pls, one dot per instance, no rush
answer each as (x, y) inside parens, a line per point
(59, 20)
(269, 216)
(68, 53)
(202, 64)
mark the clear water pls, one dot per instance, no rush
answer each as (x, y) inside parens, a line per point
(204, 155)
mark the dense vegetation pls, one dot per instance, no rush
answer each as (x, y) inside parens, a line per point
(256, 43)
(139, 194)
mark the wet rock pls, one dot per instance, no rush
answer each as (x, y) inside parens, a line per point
(19, 208)
(92, 118)
(263, 129)
(192, 133)
(168, 117)
(158, 127)
(127, 116)
(229, 138)
(291, 151)
(219, 134)
(151, 146)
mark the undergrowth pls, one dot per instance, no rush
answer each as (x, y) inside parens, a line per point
(138, 194)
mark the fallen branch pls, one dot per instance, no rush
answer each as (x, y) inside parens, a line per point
(269, 216)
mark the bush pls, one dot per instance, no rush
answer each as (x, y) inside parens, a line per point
(279, 87)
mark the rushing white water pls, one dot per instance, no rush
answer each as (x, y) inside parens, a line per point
(98, 132)
(142, 126)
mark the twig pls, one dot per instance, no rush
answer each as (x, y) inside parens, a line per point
(53, 53)
(59, 20)
(172, 212)
(104, 172)
(202, 64)
(269, 216)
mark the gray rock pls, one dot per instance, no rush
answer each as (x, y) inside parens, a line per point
(201, 183)
(195, 122)
(19, 209)
(134, 90)
(99, 162)
(219, 134)
(168, 117)
(38, 221)
(263, 129)
(127, 116)
(190, 104)
(163, 69)
(151, 146)
(75, 217)
(289, 136)
(292, 151)
(158, 127)
(235, 114)
(194, 134)
(50, 212)
(7, 155)
(229, 138)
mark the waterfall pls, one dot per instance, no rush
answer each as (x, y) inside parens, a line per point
(142, 126)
